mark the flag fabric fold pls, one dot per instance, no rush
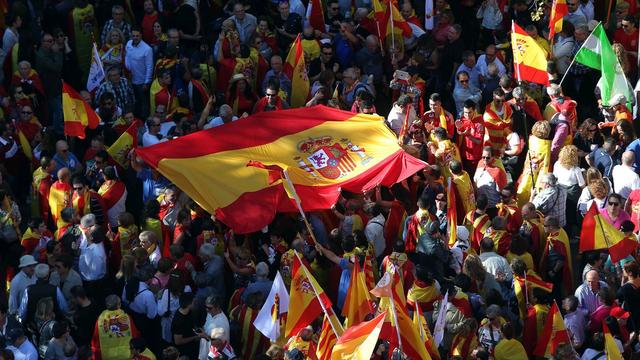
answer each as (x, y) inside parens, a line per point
(296, 70)
(324, 150)
(327, 339)
(420, 322)
(452, 213)
(304, 303)
(596, 53)
(315, 15)
(610, 347)
(358, 342)
(559, 9)
(77, 113)
(598, 234)
(269, 319)
(553, 334)
(529, 59)
(120, 149)
(96, 71)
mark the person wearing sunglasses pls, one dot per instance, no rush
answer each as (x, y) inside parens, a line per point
(464, 91)
(614, 212)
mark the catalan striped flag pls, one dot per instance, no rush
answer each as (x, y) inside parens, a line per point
(327, 339)
(78, 114)
(324, 151)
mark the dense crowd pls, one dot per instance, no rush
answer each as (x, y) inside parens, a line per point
(105, 258)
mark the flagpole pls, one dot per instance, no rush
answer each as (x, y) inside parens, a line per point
(315, 291)
(379, 37)
(526, 292)
(418, 314)
(393, 35)
(393, 308)
(515, 53)
(299, 204)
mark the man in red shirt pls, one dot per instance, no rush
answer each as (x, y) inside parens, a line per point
(150, 17)
(627, 36)
(437, 116)
(471, 134)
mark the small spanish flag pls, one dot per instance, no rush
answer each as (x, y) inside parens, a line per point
(296, 70)
(597, 234)
(77, 113)
(559, 9)
(358, 342)
(120, 149)
(553, 334)
(529, 60)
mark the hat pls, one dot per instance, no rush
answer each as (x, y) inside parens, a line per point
(462, 233)
(237, 77)
(14, 334)
(617, 99)
(619, 313)
(27, 260)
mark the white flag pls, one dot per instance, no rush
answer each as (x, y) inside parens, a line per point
(269, 318)
(96, 71)
(438, 329)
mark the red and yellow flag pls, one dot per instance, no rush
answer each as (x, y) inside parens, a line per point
(24, 143)
(296, 70)
(304, 295)
(559, 9)
(420, 323)
(553, 334)
(523, 286)
(77, 113)
(452, 214)
(315, 15)
(597, 234)
(357, 304)
(327, 339)
(120, 149)
(59, 198)
(529, 60)
(358, 342)
(610, 346)
(324, 150)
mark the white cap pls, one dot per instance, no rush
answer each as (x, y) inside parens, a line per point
(617, 99)
(27, 260)
(462, 233)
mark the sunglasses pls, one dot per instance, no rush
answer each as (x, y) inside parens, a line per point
(486, 157)
(327, 54)
(270, 95)
(464, 81)
(614, 203)
(78, 188)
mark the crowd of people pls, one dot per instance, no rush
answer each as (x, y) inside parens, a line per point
(105, 258)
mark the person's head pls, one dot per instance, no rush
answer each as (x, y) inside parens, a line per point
(239, 11)
(598, 187)
(551, 224)
(109, 173)
(13, 20)
(554, 90)
(631, 270)
(24, 68)
(487, 154)
(482, 201)
(186, 300)
(473, 268)
(207, 252)
(490, 53)
(28, 264)
(148, 239)
(47, 41)
(42, 271)
(62, 264)
(283, 9)
(219, 337)
(78, 295)
(149, 7)
(468, 58)
(463, 79)
(349, 76)
(549, 180)
(406, 10)
(614, 205)
(570, 304)
(605, 295)
(581, 33)
(164, 78)
(62, 148)
(629, 24)
(276, 64)
(60, 329)
(592, 280)
(507, 194)
(435, 102)
(117, 14)
(541, 130)
(568, 157)
(213, 304)
(609, 145)
(137, 346)
(486, 245)
(172, 353)
(454, 32)
(469, 109)
(518, 266)
(498, 98)
(272, 90)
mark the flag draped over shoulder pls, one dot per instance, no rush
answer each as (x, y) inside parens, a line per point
(358, 342)
(553, 334)
(529, 59)
(324, 150)
(315, 15)
(304, 306)
(596, 53)
(597, 234)
(559, 9)
(77, 113)
(610, 346)
(120, 149)
(96, 71)
(269, 319)
(296, 70)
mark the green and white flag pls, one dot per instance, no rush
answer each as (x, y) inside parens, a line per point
(596, 53)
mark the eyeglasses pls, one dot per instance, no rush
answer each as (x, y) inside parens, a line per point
(78, 188)
(625, 26)
(327, 53)
(614, 204)
(335, 8)
(270, 95)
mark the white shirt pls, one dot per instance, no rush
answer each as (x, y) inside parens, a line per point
(396, 118)
(168, 303)
(568, 177)
(491, 15)
(496, 265)
(29, 350)
(155, 256)
(19, 283)
(483, 67)
(138, 60)
(217, 321)
(217, 121)
(9, 39)
(374, 231)
(149, 139)
(486, 184)
(93, 261)
(144, 302)
(625, 180)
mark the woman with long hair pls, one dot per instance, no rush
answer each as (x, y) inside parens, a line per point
(240, 96)
(112, 52)
(169, 303)
(127, 269)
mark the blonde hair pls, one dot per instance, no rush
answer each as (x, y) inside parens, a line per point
(117, 31)
(620, 52)
(568, 157)
(599, 188)
(593, 174)
(541, 129)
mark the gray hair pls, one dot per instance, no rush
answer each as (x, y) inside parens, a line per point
(207, 250)
(225, 110)
(112, 302)
(149, 236)
(88, 221)
(262, 270)
(518, 92)
(550, 179)
(42, 271)
(554, 90)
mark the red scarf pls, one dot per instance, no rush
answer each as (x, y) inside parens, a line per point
(262, 104)
(497, 173)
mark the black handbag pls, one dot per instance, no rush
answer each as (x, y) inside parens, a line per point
(8, 234)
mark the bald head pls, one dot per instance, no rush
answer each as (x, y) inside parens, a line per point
(61, 146)
(628, 158)
(64, 174)
(592, 279)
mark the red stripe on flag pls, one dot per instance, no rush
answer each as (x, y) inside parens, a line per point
(532, 74)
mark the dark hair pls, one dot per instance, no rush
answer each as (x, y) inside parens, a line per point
(486, 244)
(152, 209)
(109, 173)
(348, 243)
(186, 299)
(423, 202)
(592, 257)
(103, 154)
(573, 302)
(273, 84)
(542, 296)
(45, 161)
(498, 92)
(60, 328)
(482, 202)
(632, 268)
(435, 97)
(507, 330)
(78, 292)
(138, 344)
(35, 222)
(65, 259)
(463, 281)
(80, 179)
(597, 341)
(469, 104)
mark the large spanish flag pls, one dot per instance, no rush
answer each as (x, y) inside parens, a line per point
(323, 149)
(597, 234)
(553, 334)
(529, 60)
(559, 9)
(296, 70)
(120, 149)
(77, 113)
(358, 342)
